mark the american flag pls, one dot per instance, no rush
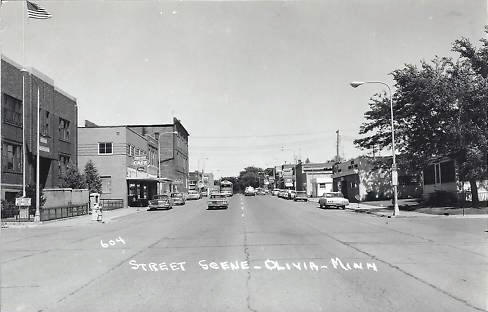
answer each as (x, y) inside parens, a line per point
(35, 11)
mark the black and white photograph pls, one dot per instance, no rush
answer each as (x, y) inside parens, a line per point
(244, 156)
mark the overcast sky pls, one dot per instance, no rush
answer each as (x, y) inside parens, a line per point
(254, 83)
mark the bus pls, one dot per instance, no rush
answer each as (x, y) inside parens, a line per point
(226, 188)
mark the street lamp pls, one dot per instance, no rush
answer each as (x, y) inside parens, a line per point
(394, 174)
(159, 153)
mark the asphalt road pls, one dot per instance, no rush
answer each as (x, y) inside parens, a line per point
(269, 254)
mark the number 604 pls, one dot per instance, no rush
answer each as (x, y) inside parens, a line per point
(112, 242)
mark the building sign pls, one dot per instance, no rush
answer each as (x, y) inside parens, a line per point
(23, 201)
(135, 174)
(140, 161)
(44, 148)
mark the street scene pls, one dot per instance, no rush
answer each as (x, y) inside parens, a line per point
(244, 156)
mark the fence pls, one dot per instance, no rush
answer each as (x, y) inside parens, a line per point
(63, 212)
(11, 213)
(111, 204)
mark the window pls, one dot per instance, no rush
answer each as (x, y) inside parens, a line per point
(12, 110)
(12, 157)
(63, 129)
(106, 184)
(138, 152)
(63, 163)
(105, 148)
(44, 122)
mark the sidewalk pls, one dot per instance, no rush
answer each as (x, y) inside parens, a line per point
(382, 211)
(107, 217)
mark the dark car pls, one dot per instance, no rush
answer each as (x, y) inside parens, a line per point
(160, 202)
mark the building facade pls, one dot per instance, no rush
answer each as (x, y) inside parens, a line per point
(369, 178)
(173, 140)
(126, 162)
(57, 114)
(314, 178)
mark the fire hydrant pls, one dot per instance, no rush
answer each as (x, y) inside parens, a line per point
(97, 212)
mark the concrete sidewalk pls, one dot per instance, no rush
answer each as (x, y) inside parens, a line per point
(382, 211)
(107, 217)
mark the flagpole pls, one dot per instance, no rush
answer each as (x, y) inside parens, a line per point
(37, 217)
(23, 98)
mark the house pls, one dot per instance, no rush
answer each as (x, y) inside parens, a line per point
(441, 175)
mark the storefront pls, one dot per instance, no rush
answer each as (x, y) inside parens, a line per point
(140, 191)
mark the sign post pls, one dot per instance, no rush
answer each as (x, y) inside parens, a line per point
(24, 204)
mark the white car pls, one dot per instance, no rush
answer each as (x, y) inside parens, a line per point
(193, 195)
(333, 199)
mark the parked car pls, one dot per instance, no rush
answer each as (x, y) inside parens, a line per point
(301, 195)
(333, 199)
(217, 200)
(178, 198)
(292, 194)
(260, 191)
(275, 192)
(283, 194)
(249, 191)
(192, 194)
(163, 201)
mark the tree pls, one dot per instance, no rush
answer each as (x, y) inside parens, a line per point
(93, 181)
(440, 110)
(72, 178)
(251, 176)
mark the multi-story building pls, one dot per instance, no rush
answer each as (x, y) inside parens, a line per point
(194, 180)
(288, 176)
(173, 140)
(57, 114)
(126, 161)
(314, 178)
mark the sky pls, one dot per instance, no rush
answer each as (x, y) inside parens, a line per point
(254, 83)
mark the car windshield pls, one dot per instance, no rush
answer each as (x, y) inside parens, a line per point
(301, 192)
(217, 196)
(335, 194)
(192, 192)
(176, 195)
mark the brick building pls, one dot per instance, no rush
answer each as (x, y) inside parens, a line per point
(173, 140)
(125, 160)
(58, 129)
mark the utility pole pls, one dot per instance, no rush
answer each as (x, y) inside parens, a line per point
(338, 157)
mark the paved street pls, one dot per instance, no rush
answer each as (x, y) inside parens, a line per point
(270, 254)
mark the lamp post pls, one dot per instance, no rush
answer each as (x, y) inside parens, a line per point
(159, 154)
(394, 173)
